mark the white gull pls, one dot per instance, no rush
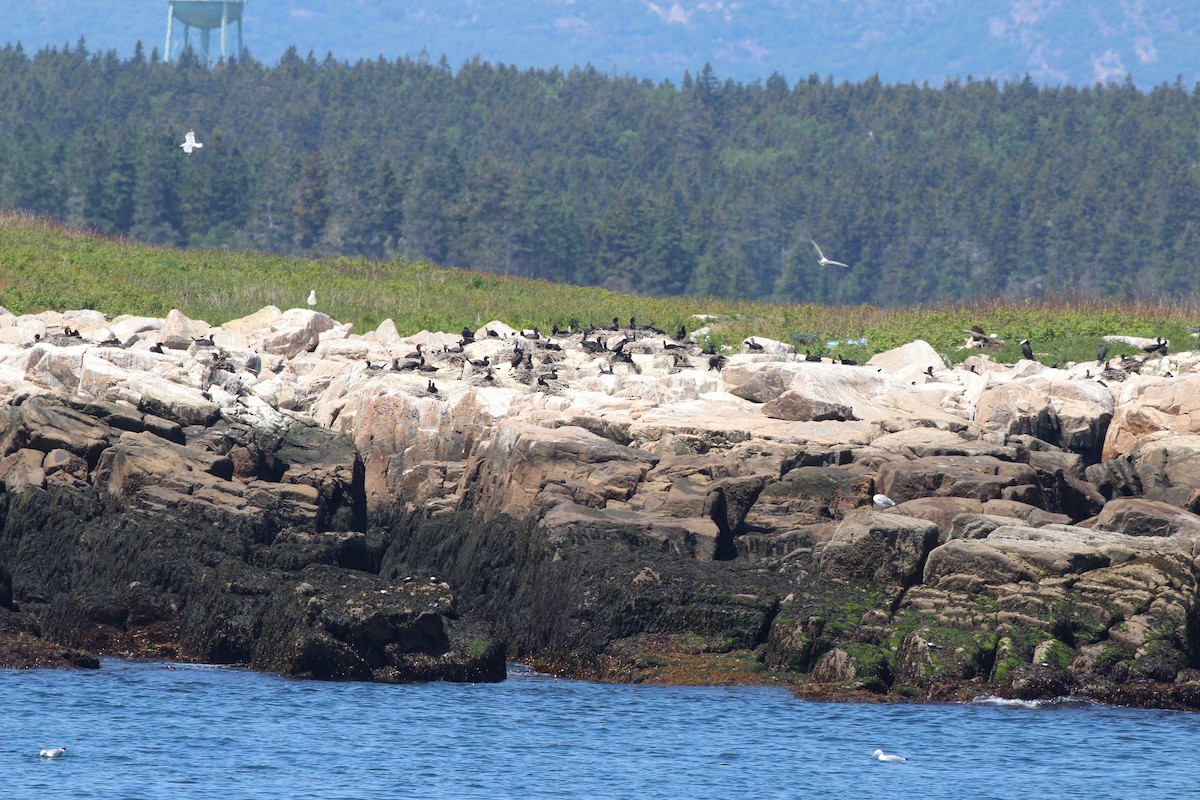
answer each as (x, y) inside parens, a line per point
(190, 143)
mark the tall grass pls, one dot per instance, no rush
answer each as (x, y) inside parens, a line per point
(46, 266)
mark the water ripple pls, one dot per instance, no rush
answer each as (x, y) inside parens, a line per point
(148, 731)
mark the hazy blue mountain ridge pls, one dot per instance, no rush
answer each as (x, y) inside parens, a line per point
(1071, 41)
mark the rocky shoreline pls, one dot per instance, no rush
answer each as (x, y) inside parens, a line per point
(616, 504)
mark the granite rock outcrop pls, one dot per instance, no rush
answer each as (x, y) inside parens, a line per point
(282, 491)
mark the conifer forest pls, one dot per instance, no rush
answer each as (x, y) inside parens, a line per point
(704, 186)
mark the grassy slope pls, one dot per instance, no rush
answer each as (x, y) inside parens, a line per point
(44, 266)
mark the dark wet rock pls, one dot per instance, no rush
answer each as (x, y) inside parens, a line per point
(160, 549)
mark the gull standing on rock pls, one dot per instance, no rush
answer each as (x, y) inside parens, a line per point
(883, 501)
(825, 262)
(312, 299)
(190, 143)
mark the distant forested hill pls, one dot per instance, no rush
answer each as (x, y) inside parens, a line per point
(709, 187)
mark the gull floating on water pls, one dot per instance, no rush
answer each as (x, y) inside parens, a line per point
(883, 501)
(825, 262)
(190, 143)
(53, 752)
(882, 756)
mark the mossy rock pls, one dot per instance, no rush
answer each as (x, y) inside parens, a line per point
(816, 621)
(870, 661)
(1053, 653)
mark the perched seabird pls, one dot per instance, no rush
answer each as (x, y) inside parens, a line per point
(716, 362)
(753, 346)
(1101, 354)
(1027, 350)
(882, 756)
(312, 299)
(1153, 348)
(53, 752)
(825, 262)
(431, 388)
(978, 337)
(883, 501)
(929, 371)
(590, 345)
(190, 143)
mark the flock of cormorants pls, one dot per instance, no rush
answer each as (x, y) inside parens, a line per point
(534, 356)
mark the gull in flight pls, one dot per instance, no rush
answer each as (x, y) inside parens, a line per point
(882, 756)
(190, 143)
(53, 752)
(825, 262)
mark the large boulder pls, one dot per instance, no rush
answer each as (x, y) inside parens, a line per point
(885, 550)
(1071, 414)
(1167, 466)
(1150, 404)
(1139, 517)
(975, 477)
(293, 332)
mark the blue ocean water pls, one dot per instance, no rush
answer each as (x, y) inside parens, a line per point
(143, 730)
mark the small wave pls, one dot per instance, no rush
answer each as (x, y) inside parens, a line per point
(1013, 702)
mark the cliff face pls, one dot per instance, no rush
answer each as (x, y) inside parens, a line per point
(154, 523)
(316, 502)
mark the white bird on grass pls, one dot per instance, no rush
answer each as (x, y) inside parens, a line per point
(882, 756)
(312, 299)
(53, 752)
(825, 262)
(190, 143)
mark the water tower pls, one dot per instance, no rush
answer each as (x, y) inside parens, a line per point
(205, 15)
